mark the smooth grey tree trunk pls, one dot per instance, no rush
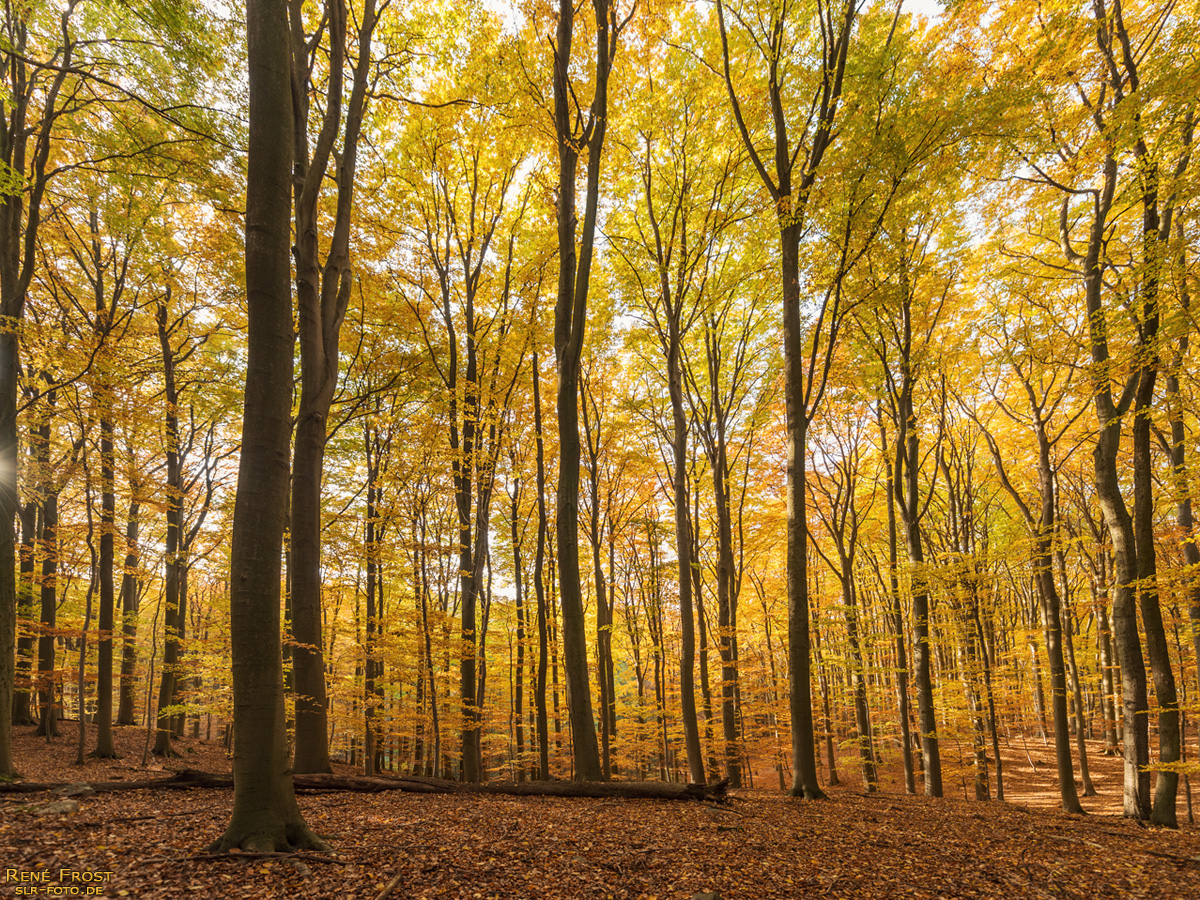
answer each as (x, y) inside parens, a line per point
(539, 585)
(265, 814)
(570, 321)
(129, 608)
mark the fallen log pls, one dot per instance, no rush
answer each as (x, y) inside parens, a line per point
(632, 790)
(190, 779)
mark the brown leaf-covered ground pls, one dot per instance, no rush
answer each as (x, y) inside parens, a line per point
(761, 845)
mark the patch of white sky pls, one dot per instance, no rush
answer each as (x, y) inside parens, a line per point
(508, 11)
(930, 9)
(511, 15)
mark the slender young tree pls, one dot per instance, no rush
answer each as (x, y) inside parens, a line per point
(131, 587)
(173, 618)
(576, 132)
(902, 342)
(674, 249)
(597, 442)
(460, 202)
(1045, 391)
(895, 611)
(837, 505)
(539, 583)
(727, 403)
(22, 710)
(797, 156)
(1176, 447)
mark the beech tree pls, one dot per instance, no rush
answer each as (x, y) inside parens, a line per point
(265, 815)
(34, 80)
(902, 340)
(462, 202)
(192, 459)
(1048, 417)
(131, 591)
(796, 157)
(605, 466)
(841, 513)
(323, 294)
(676, 243)
(1174, 442)
(576, 133)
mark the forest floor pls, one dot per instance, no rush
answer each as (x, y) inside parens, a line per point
(761, 844)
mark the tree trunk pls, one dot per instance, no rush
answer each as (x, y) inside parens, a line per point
(827, 720)
(1157, 213)
(322, 294)
(519, 664)
(683, 552)
(81, 669)
(539, 585)
(178, 718)
(1107, 665)
(991, 701)
(1125, 630)
(129, 608)
(726, 609)
(1089, 789)
(968, 667)
(1177, 451)
(1166, 786)
(265, 814)
(1052, 622)
(20, 218)
(191, 779)
(592, 436)
(896, 613)
(570, 320)
(862, 714)
(173, 619)
(482, 657)
(105, 749)
(435, 753)
(804, 763)
(308, 661)
(372, 537)
(9, 500)
(712, 763)
(1043, 528)
(48, 711)
(908, 503)
(22, 707)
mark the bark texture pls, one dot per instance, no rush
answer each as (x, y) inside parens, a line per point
(265, 814)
